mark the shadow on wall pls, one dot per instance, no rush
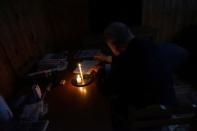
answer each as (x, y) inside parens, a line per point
(187, 38)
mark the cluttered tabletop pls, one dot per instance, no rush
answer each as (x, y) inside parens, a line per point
(75, 102)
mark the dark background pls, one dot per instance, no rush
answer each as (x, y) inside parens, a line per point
(104, 12)
(30, 29)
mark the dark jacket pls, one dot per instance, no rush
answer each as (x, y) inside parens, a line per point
(140, 76)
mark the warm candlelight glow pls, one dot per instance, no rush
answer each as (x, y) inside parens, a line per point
(79, 80)
(80, 70)
(83, 90)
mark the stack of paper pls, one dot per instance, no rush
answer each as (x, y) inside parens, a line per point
(50, 63)
(53, 59)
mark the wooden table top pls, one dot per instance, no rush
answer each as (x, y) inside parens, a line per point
(77, 108)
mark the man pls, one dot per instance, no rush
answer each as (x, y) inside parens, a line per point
(139, 75)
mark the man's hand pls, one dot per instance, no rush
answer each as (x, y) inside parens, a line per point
(103, 58)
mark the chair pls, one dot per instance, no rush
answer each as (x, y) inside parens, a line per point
(9, 123)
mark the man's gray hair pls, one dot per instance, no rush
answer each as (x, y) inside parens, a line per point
(119, 33)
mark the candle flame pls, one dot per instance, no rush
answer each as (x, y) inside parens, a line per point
(78, 78)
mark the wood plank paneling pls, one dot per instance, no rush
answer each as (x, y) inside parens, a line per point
(68, 21)
(28, 29)
(168, 17)
(7, 75)
(21, 35)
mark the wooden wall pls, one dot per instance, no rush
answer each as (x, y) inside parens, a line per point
(30, 28)
(69, 21)
(165, 18)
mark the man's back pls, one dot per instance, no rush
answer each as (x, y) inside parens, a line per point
(149, 81)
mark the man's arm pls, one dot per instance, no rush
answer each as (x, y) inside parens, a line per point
(103, 58)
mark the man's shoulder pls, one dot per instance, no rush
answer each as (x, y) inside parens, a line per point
(141, 42)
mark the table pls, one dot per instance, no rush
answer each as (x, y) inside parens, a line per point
(73, 108)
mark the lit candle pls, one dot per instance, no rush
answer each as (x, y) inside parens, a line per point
(80, 70)
(79, 79)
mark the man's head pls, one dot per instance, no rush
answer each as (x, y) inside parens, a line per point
(117, 36)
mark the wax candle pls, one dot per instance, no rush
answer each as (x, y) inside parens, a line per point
(80, 70)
